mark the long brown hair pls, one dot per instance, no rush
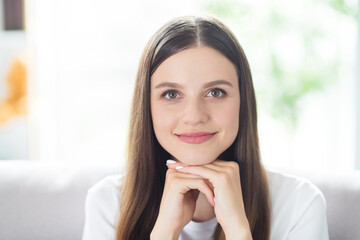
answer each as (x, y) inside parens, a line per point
(146, 170)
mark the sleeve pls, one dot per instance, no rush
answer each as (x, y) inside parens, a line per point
(312, 223)
(101, 210)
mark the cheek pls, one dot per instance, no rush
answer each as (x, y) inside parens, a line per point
(227, 117)
(163, 120)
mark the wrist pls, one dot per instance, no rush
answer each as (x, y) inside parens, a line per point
(242, 232)
(243, 235)
(161, 234)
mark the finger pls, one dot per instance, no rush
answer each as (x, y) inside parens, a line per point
(175, 173)
(202, 171)
(188, 175)
(209, 183)
(224, 163)
(187, 178)
(230, 167)
(173, 163)
(199, 184)
(219, 161)
(216, 165)
(213, 167)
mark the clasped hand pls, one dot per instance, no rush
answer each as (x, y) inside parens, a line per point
(219, 181)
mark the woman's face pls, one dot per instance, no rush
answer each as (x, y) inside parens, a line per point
(195, 104)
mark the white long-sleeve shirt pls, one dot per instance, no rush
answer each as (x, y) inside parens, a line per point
(298, 211)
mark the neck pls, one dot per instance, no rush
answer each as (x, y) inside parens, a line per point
(204, 211)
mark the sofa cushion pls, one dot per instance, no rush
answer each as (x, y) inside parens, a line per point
(45, 201)
(342, 194)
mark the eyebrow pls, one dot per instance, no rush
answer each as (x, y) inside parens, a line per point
(206, 85)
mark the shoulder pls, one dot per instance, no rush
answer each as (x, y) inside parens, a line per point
(102, 209)
(296, 203)
(109, 185)
(292, 186)
(289, 190)
(103, 197)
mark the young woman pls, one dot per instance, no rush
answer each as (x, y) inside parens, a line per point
(193, 162)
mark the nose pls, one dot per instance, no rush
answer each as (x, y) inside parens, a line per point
(195, 111)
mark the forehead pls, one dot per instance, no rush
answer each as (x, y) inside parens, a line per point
(195, 65)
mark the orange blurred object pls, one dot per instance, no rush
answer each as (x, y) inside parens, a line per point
(15, 102)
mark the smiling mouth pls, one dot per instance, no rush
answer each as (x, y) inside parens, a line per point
(195, 137)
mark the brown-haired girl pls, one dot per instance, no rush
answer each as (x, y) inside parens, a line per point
(193, 162)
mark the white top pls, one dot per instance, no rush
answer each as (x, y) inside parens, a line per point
(298, 211)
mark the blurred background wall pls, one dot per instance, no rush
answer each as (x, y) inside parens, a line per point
(81, 59)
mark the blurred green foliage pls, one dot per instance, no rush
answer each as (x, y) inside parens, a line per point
(346, 7)
(292, 50)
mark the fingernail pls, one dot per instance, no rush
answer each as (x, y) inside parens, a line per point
(214, 199)
(179, 167)
(171, 161)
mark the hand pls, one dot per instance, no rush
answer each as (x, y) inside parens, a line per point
(229, 206)
(178, 202)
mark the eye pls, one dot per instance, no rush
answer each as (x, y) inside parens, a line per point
(217, 93)
(170, 94)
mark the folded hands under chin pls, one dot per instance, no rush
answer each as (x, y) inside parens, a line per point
(223, 192)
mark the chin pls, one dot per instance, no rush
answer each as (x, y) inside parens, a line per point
(195, 158)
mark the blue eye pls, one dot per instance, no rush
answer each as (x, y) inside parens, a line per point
(217, 93)
(170, 94)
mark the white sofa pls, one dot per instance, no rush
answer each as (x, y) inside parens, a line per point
(46, 201)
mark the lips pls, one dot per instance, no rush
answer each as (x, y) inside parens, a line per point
(195, 137)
